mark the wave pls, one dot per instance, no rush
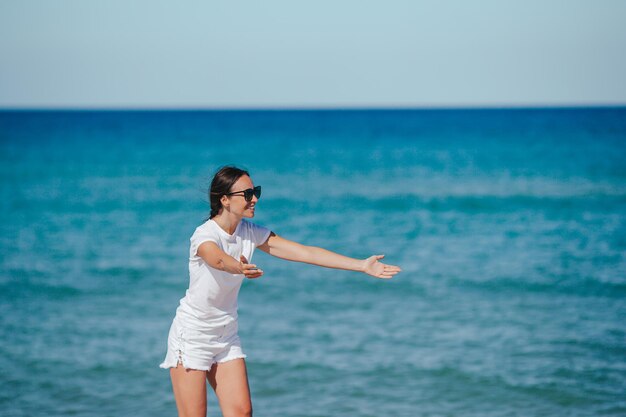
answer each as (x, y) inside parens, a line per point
(466, 204)
(27, 288)
(581, 287)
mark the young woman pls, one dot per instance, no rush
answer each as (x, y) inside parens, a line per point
(203, 343)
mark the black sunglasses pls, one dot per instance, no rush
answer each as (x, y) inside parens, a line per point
(247, 194)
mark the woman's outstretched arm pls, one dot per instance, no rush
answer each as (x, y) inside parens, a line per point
(293, 251)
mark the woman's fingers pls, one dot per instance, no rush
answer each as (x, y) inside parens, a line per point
(375, 268)
(251, 271)
(392, 268)
(388, 271)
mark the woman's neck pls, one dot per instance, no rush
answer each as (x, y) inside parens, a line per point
(228, 222)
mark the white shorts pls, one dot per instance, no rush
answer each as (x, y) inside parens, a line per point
(200, 349)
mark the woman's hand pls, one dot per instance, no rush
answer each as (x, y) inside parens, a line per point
(249, 270)
(372, 267)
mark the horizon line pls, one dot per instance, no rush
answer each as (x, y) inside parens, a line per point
(528, 106)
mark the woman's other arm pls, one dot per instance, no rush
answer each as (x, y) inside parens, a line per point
(294, 251)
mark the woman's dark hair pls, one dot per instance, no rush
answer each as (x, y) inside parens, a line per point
(221, 184)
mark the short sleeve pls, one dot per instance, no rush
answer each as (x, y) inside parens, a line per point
(258, 234)
(198, 238)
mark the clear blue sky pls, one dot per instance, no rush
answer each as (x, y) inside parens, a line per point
(285, 53)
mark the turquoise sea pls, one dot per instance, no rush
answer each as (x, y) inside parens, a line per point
(510, 226)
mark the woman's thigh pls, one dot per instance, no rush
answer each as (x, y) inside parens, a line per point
(189, 387)
(230, 382)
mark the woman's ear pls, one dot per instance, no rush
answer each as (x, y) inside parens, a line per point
(224, 200)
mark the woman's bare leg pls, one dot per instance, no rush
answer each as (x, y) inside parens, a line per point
(230, 382)
(189, 390)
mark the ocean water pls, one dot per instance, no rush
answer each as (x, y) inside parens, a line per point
(510, 227)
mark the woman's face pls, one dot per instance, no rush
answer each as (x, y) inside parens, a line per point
(237, 203)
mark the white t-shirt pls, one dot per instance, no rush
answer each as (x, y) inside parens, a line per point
(211, 300)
